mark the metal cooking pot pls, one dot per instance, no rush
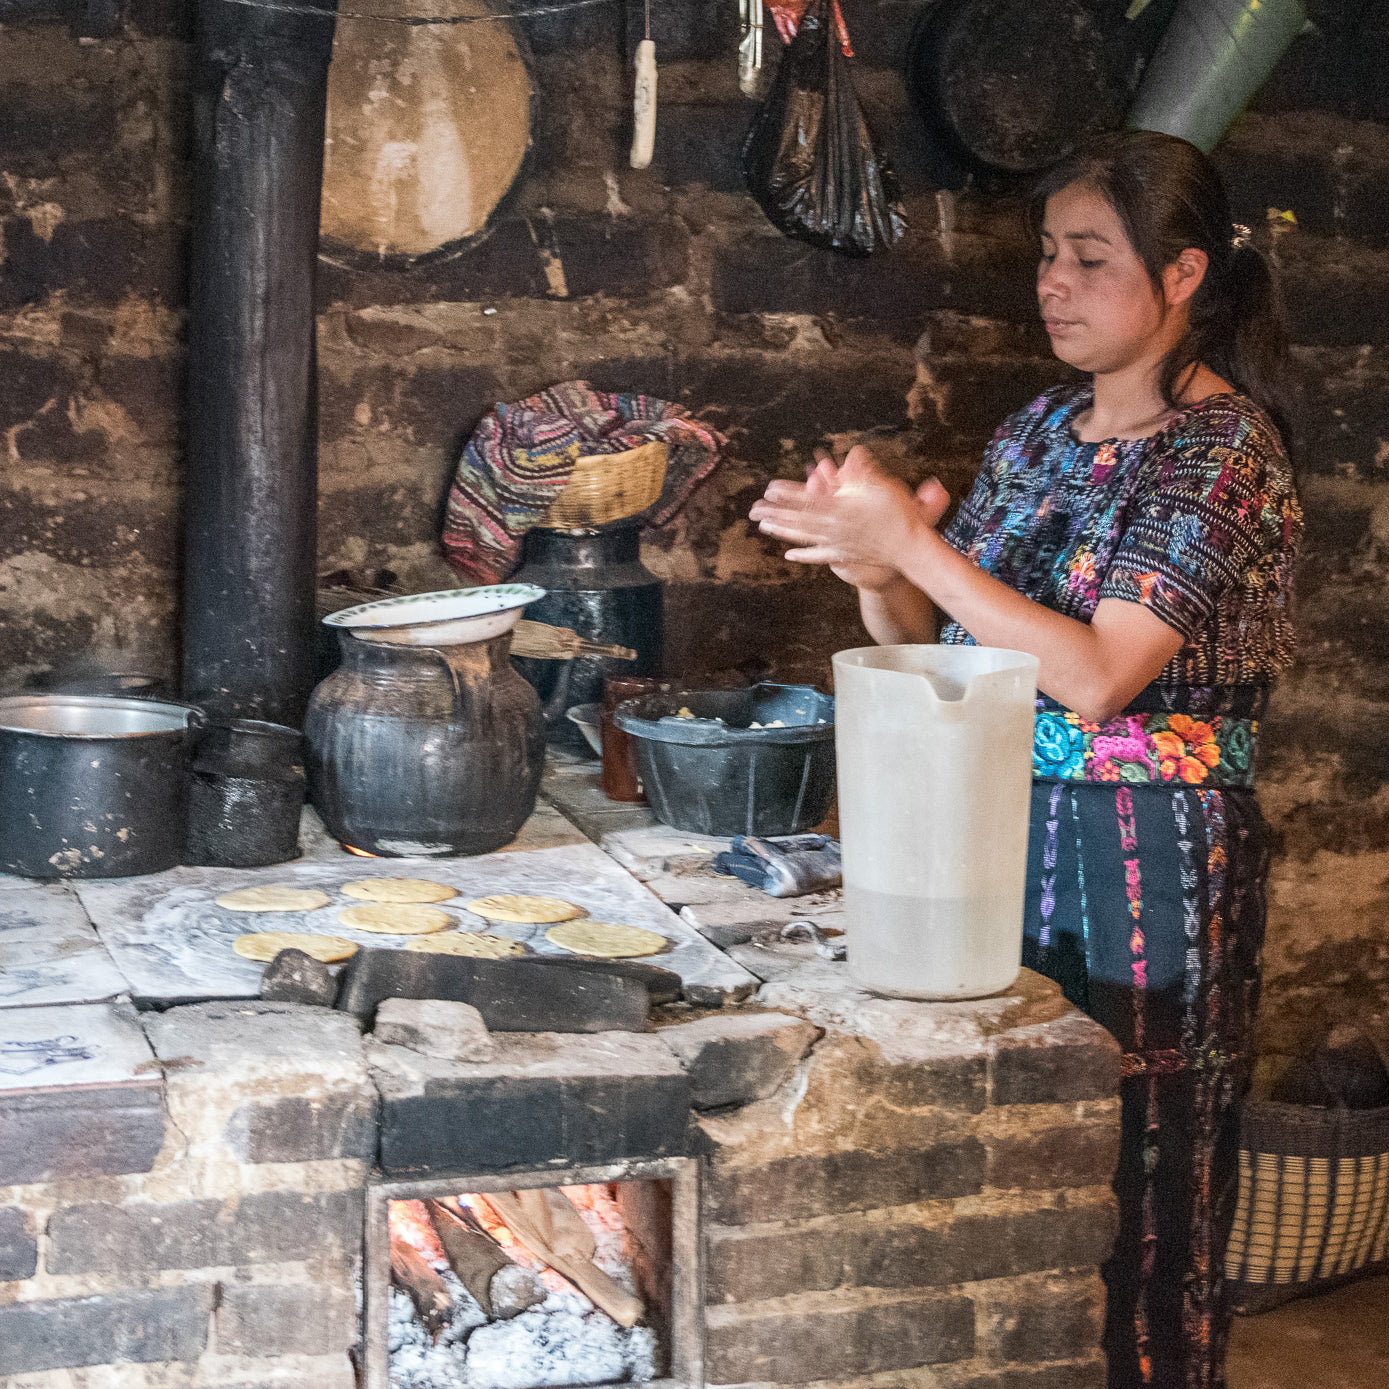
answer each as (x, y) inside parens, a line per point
(93, 786)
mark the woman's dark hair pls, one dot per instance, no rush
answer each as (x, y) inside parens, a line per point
(1169, 197)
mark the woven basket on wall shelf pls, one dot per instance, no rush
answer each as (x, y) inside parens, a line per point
(610, 486)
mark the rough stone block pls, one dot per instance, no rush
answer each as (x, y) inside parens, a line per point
(544, 1098)
(435, 1027)
(232, 1066)
(141, 1237)
(294, 977)
(750, 1263)
(65, 1333)
(738, 1058)
(832, 1340)
(19, 1251)
(79, 1132)
(101, 1237)
(1071, 1059)
(276, 1320)
(301, 1130)
(797, 1188)
(271, 1226)
(1068, 1155)
(1043, 1317)
(87, 1100)
(1089, 1373)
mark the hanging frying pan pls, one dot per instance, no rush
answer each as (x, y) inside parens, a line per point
(1007, 87)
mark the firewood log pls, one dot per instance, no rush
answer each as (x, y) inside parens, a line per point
(472, 1255)
(590, 1280)
(413, 1276)
(552, 1213)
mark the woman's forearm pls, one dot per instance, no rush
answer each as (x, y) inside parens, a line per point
(1080, 665)
(897, 613)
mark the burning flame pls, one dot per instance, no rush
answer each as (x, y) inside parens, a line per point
(361, 853)
(409, 1222)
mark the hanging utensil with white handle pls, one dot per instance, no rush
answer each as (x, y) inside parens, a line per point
(644, 100)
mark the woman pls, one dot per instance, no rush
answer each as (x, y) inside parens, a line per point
(1136, 533)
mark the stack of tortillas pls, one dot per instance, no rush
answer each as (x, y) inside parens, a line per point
(403, 907)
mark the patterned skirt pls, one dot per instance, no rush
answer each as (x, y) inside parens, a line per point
(1146, 904)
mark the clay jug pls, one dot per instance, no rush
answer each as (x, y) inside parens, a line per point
(424, 750)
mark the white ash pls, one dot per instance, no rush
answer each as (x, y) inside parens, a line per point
(562, 1342)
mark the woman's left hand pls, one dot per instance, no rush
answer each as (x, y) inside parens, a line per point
(870, 518)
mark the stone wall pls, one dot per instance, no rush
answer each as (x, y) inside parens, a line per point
(671, 281)
(920, 1189)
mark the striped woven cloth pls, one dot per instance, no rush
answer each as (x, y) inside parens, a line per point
(521, 456)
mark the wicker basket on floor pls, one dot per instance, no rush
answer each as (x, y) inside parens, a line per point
(1313, 1202)
(610, 486)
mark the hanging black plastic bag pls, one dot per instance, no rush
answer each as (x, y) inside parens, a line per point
(810, 159)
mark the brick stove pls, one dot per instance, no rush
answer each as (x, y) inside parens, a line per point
(852, 1191)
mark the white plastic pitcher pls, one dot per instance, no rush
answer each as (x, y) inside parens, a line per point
(934, 752)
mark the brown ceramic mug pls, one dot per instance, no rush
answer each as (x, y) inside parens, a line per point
(620, 779)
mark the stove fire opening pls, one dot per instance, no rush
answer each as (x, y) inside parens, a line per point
(531, 1289)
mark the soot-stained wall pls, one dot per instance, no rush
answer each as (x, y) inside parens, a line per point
(671, 281)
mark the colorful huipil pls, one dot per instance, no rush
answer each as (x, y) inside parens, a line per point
(1148, 856)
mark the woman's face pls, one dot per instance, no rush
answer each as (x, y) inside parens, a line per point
(1098, 304)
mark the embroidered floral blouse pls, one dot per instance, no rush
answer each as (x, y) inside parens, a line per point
(1199, 523)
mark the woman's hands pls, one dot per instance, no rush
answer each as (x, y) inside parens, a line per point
(855, 518)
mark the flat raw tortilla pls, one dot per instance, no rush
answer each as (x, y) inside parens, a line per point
(608, 939)
(507, 906)
(273, 899)
(396, 919)
(469, 943)
(398, 890)
(265, 945)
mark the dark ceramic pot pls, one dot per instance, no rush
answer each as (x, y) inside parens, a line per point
(596, 584)
(424, 750)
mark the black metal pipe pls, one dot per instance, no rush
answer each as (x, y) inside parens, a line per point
(250, 532)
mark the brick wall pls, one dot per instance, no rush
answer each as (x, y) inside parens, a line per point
(674, 283)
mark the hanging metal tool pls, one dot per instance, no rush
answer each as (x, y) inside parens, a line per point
(749, 45)
(644, 101)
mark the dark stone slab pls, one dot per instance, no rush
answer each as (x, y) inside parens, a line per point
(1045, 1070)
(19, 1250)
(303, 1130)
(683, 29)
(750, 1264)
(39, 125)
(774, 274)
(798, 1188)
(737, 1059)
(65, 1333)
(544, 1099)
(294, 977)
(701, 144)
(99, 259)
(78, 1131)
(599, 254)
(837, 1343)
(1069, 1155)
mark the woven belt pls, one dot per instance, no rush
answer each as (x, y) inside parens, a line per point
(1144, 748)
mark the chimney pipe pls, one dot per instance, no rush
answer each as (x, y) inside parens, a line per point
(250, 523)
